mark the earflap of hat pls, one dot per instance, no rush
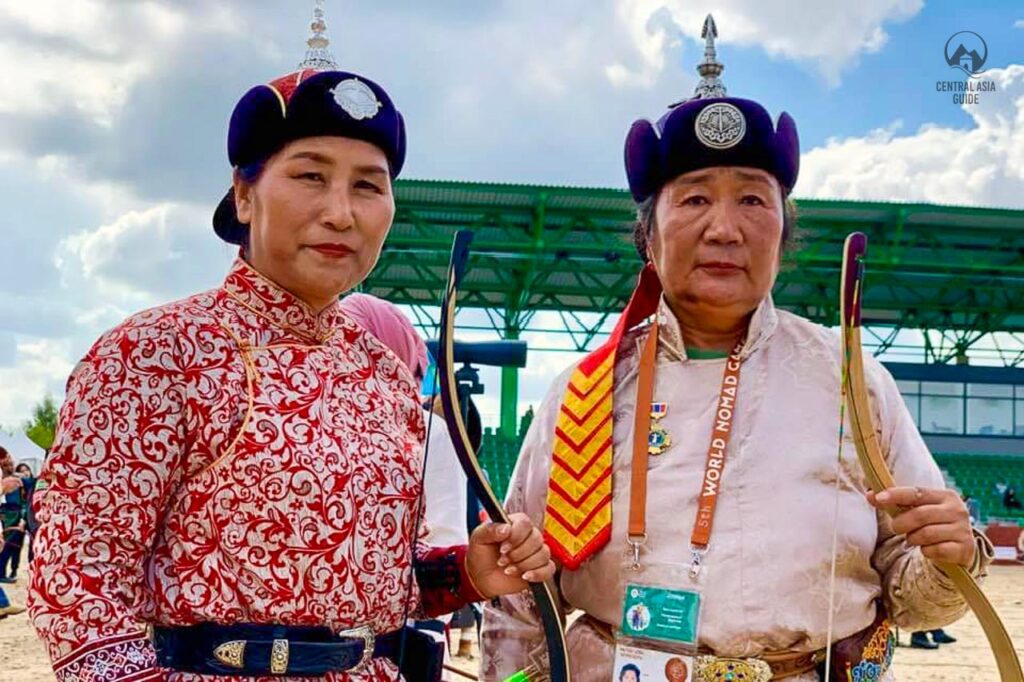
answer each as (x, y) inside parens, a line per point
(399, 156)
(787, 145)
(226, 223)
(643, 159)
(257, 125)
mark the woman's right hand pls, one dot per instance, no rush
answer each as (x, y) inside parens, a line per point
(10, 483)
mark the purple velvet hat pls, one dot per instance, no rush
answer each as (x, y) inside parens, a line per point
(709, 130)
(307, 103)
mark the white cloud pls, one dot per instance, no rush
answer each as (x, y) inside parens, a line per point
(982, 165)
(112, 130)
(1019, 23)
(82, 55)
(42, 366)
(139, 259)
(827, 35)
(79, 256)
(143, 257)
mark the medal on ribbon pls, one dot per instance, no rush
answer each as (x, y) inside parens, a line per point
(658, 438)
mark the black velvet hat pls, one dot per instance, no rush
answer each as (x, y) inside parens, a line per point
(710, 129)
(307, 103)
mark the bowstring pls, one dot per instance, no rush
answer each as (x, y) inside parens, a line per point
(843, 396)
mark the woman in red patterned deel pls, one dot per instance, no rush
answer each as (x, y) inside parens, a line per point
(233, 489)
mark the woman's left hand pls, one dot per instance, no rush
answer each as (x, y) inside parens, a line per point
(503, 558)
(936, 520)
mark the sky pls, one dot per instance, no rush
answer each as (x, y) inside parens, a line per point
(114, 117)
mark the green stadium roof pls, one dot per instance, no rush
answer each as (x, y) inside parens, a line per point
(931, 267)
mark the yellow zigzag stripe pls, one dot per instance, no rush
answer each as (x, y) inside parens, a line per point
(575, 515)
(576, 440)
(574, 543)
(577, 459)
(596, 390)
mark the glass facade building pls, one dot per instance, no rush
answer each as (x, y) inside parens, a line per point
(963, 401)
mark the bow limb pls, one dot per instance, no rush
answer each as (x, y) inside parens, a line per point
(550, 613)
(869, 452)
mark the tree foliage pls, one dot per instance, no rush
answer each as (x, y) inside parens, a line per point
(43, 425)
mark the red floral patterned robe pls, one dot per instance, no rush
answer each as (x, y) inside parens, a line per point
(231, 457)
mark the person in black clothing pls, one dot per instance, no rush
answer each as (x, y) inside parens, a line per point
(919, 640)
(1010, 500)
(8, 483)
(15, 520)
(28, 480)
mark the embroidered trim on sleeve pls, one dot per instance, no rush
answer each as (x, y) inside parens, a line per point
(121, 658)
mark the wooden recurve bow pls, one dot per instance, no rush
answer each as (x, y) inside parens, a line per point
(550, 613)
(869, 451)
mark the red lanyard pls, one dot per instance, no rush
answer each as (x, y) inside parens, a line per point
(721, 433)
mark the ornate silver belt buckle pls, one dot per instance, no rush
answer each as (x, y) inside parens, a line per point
(365, 633)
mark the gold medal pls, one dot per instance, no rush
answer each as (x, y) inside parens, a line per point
(658, 440)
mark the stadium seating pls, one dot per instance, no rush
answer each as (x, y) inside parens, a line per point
(979, 475)
(498, 456)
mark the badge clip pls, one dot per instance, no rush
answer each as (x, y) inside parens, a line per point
(696, 557)
(635, 545)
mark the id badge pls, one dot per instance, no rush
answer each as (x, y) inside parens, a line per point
(636, 664)
(658, 635)
(661, 614)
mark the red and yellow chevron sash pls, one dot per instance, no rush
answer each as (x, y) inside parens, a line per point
(578, 518)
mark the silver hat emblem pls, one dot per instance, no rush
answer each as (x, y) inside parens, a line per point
(720, 126)
(356, 99)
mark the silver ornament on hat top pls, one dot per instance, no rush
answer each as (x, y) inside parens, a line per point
(720, 125)
(710, 86)
(318, 54)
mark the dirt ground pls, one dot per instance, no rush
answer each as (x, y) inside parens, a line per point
(23, 659)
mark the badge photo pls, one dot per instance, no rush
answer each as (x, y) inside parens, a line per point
(636, 664)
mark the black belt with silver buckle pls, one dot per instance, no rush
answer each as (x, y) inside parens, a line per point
(251, 650)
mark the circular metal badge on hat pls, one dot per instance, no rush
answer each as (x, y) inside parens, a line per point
(720, 126)
(356, 99)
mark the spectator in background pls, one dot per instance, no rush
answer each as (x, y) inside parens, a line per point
(28, 482)
(7, 484)
(15, 510)
(1010, 500)
(919, 640)
(32, 486)
(973, 508)
(13, 517)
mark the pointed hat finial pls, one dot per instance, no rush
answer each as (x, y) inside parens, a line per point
(709, 69)
(318, 54)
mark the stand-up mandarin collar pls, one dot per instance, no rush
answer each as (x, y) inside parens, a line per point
(277, 306)
(761, 328)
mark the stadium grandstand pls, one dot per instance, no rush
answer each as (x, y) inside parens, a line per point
(944, 301)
